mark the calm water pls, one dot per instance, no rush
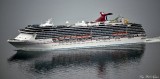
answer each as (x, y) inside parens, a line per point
(138, 62)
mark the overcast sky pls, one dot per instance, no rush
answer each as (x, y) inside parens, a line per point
(16, 14)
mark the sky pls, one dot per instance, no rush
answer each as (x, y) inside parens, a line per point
(17, 14)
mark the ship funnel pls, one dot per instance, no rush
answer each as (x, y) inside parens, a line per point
(103, 17)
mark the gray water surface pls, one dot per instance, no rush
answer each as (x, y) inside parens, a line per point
(97, 63)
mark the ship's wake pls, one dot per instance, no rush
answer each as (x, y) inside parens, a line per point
(152, 40)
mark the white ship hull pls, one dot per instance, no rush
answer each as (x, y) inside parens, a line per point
(50, 45)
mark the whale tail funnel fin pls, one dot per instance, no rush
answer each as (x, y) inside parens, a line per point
(103, 17)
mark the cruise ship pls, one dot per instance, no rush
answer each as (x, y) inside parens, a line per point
(99, 33)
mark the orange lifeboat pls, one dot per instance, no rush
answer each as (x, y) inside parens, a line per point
(119, 33)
